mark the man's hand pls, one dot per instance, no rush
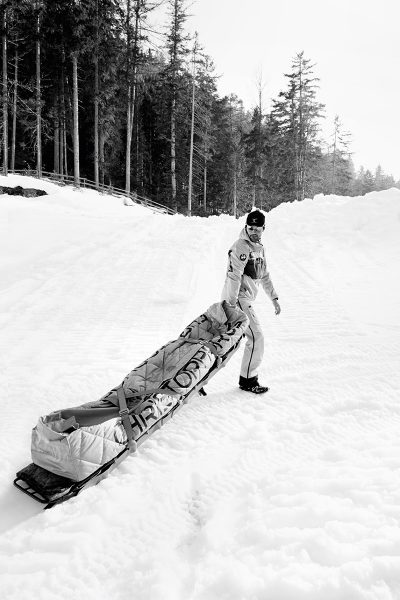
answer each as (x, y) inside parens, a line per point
(277, 307)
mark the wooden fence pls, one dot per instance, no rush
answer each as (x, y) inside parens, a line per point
(105, 189)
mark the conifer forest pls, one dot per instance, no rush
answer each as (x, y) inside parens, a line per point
(94, 89)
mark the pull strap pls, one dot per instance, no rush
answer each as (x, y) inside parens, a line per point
(124, 414)
(143, 393)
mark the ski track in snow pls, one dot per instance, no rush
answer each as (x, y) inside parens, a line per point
(290, 496)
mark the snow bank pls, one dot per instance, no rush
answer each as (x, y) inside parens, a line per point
(292, 496)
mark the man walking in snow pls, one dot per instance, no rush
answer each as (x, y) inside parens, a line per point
(246, 270)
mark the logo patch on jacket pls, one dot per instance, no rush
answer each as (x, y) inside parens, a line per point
(243, 257)
(255, 265)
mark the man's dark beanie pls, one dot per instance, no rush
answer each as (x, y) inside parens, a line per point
(255, 217)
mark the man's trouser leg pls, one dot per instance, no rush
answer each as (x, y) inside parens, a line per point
(254, 348)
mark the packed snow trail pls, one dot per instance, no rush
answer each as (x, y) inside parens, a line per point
(290, 496)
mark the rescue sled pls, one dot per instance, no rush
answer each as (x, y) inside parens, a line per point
(77, 447)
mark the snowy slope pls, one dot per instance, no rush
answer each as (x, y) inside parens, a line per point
(290, 496)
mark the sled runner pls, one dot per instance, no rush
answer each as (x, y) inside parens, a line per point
(76, 447)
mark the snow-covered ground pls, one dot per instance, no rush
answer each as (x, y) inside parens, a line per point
(294, 495)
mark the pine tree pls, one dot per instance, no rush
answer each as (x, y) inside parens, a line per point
(340, 175)
(177, 51)
(203, 95)
(103, 61)
(383, 181)
(254, 146)
(278, 175)
(228, 185)
(337, 170)
(242, 198)
(4, 37)
(368, 182)
(281, 147)
(298, 113)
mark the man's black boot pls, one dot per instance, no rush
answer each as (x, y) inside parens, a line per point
(251, 385)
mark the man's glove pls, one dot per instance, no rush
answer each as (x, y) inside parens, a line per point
(277, 307)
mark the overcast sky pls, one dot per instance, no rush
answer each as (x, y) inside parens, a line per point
(354, 44)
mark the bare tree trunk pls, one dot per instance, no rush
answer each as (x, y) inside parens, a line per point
(96, 101)
(61, 140)
(133, 110)
(5, 94)
(295, 149)
(56, 152)
(128, 142)
(75, 118)
(101, 155)
(205, 172)
(96, 122)
(128, 99)
(132, 84)
(14, 115)
(38, 101)
(63, 147)
(235, 194)
(259, 144)
(234, 163)
(333, 180)
(139, 154)
(140, 159)
(301, 146)
(205, 185)
(174, 59)
(189, 208)
(173, 153)
(150, 172)
(190, 185)
(63, 143)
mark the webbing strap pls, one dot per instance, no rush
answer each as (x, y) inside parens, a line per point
(151, 391)
(144, 392)
(124, 414)
(203, 343)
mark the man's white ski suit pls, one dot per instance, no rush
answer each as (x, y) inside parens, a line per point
(246, 270)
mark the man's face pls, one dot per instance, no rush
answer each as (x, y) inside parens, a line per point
(254, 232)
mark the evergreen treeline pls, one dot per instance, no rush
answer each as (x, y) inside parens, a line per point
(90, 90)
